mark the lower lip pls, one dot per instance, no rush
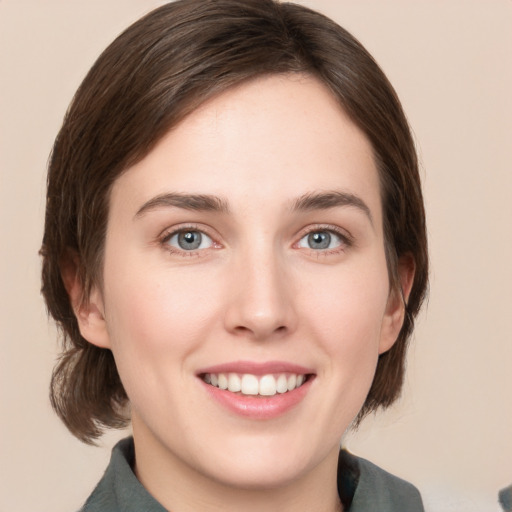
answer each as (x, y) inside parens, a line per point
(259, 407)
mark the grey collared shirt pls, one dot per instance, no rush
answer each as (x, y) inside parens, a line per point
(363, 487)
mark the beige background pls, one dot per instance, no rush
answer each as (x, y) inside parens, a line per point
(450, 62)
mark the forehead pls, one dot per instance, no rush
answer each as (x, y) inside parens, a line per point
(267, 138)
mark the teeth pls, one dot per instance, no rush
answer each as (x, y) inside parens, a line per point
(234, 383)
(248, 384)
(223, 381)
(282, 384)
(268, 385)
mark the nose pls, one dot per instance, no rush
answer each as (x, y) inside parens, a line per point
(261, 298)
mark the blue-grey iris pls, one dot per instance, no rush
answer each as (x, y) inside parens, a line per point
(319, 240)
(189, 240)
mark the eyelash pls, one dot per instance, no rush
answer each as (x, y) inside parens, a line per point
(346, 240)
(169, 233)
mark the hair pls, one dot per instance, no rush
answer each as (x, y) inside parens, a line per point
(155, 73)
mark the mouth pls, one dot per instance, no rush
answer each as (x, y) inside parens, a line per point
(249, 384)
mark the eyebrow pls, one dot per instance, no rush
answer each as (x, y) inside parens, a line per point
(210, 203)
(194, 202)
(330, 199)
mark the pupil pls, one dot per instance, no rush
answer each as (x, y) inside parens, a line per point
(319, 240)
(189, 240)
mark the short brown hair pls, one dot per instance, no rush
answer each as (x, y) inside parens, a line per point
(155, 73)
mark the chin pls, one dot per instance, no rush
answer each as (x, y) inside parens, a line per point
(260, 474)
(261, 464)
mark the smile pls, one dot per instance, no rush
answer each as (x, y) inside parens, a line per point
(255, 385)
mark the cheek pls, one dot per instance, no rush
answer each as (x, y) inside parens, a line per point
(155, 319)
(351, 303)
(347, 317)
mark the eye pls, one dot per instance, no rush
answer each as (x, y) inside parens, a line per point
(321, 240)
(189, 240)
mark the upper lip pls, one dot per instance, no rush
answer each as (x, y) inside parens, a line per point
(256, 368)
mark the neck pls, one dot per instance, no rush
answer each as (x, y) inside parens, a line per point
(179, 487)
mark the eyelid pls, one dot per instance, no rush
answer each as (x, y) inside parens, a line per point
(346, 238)
(171, 231)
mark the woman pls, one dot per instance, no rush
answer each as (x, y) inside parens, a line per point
(234, 248)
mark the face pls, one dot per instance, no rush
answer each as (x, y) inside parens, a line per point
(246, 251)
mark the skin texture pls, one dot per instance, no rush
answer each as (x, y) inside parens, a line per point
(255, 291)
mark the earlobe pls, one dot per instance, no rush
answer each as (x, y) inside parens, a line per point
(397, 300)
(91, 320)
(89, 311)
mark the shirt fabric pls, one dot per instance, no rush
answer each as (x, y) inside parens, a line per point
(362, 486)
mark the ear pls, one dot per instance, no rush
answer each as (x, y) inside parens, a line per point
(395, 307)
(89, 311)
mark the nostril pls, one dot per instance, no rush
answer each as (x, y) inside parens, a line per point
(260, 331)
(242, 329)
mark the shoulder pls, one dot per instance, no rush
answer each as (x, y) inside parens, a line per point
(377, 486)
(119, 490)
